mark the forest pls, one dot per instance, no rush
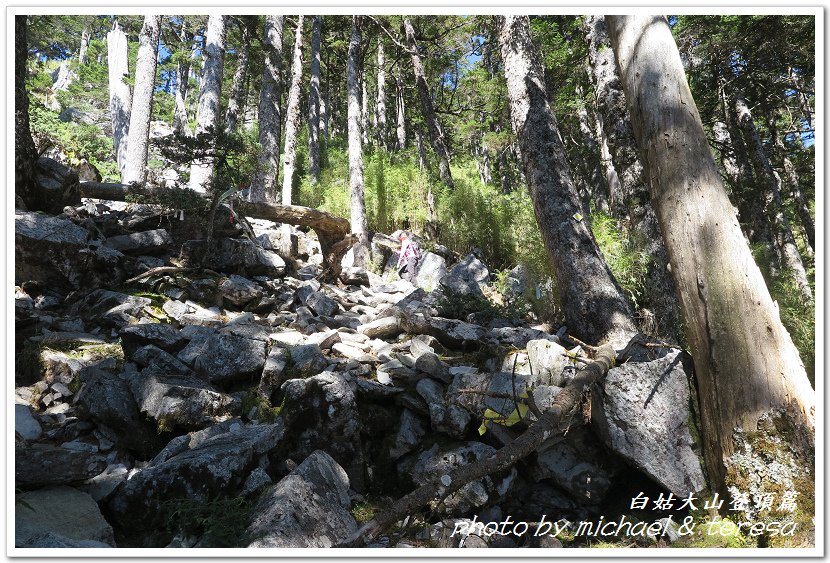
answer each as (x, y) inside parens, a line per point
(415, 281)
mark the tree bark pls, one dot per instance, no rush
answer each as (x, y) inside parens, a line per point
(25, 153)
(364, 111)
(135, 169)
(359, 223)
(120, 101)
(771, 183)
(84, 47)
(380, 111)
(746, 365)
(292, 115)
(401, 113)
(314, 104)
(180, 120)
(618, 133)
(236, 100)
(795, 190)
(264, 183)
(595, 307)
(592, 179)
(436, 137)
(207, 115)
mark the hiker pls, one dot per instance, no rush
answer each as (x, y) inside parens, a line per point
(408, 258)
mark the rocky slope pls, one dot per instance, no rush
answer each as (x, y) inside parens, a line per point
(249, 384)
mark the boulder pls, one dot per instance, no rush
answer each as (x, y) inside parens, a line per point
(111, 308)
(239, 290)
(46, 249)
(451, 333)
(160, 360)
(431, 268)
(318, 302)
(432, 365)
(59, 185)
(87, 172)
(386, 327)
(548, 360)
(178, 401)
(162, 335)
(410, 433)
(447, 418)
(234, 255)
(307, 508)
(40, 465)
(205, 468)
(643, 416)
(25, 424)
(156, 241)
(223, 357)
(63, 512)
(307, 360)
(466, 277)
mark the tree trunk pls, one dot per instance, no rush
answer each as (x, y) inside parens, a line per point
(236, 100)
(380, 111)
(594, 187)
(618, 133)
(324, 116)
(120, 101)
(180, 120)
(314, 104)
(135, 169)
(364, 111)
(263, 186)
(771, 182)
(803, 99)
(795, 190)
(422, 152)
(207, 114)
(595, 307)
(292, 115)
(436, 137)
(616, 200)
(401, 111)
(359, 223)
(84, 47)
(746, 365)
(25, 153)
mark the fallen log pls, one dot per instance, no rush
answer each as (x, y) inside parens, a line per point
(330, 229)
(554, 420)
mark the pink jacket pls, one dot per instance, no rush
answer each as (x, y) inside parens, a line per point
(408, 250)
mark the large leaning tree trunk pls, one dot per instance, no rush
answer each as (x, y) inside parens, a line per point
(25, 153)
(619, 135)
(117, 66)
(746, 366)
(314, 103)
(436, 136)
(263, 186)
(292, 115)
(207, 115)
(359, 223)
(135, 169)
(400, 109)
(771, 182)
(595, 308)
(236, 100)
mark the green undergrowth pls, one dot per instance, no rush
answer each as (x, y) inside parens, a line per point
(219, 522)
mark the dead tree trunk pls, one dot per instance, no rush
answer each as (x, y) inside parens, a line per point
(795, 189)
(436, 137)
(746, 365)
(180, 120)
(314, 103)
(380, 108)
(595, 308)
(359, 223)
(236, 100)
(292, 115)
(135, 169)
(401, 113)
(120, 100)
(264, 183)
(771, 182)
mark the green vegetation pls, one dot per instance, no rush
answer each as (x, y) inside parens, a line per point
(218, 522)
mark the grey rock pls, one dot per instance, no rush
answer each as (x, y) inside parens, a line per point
(288, 337)
(466, 277)
(239, 290)
(421, 343)
(237, 255)
(162, 335)
(178, 401)
(307, 360)
(111, 308)
(155, 241)
(59, 184)
(430, 364)
(447, 418)
(308, 508)
(318, 302)
(25, 424)
(62, 511)
(410, 433)
(217, 464)
(50, 540)
(431, 268)
(273, 374)
(643, 416)
(46, 249)
(39, 465)
(325, 339)
(225, 357)
(353, 352)
(395, 371)
(62, 367)
(548, 360)
(386, 327)
(449, 332)
(255, 481)
(162, 361)
(354, 276)
(100, 486)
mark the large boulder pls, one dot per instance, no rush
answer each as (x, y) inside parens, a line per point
(307, 508)
(60, 512)
(39, 465)
(447, 418)
(25, 424)
(466, 277)
(59, 184)
(223, 356)
(155, 241)
(233, 255)
(111, 308)
(431, 268)
(643, 416)
(451, 333)
(198, 470)
(548, 359)
(162, 335)
(239, 290)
